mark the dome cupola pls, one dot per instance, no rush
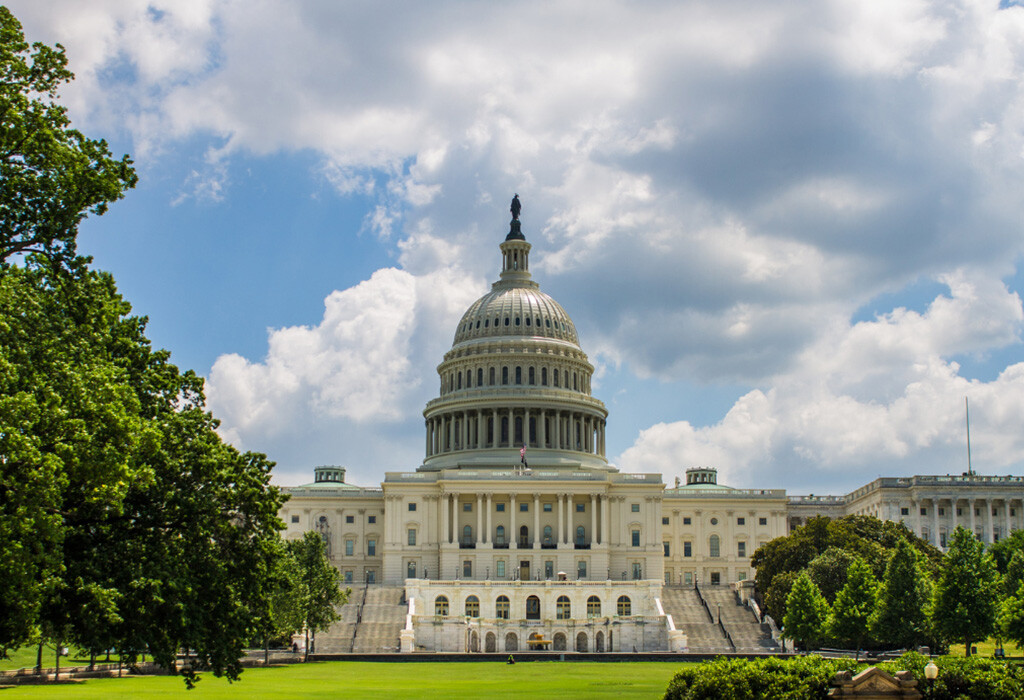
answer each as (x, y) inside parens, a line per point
(515, 378)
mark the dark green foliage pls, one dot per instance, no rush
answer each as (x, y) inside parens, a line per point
(775, 598)
(318, 590)
(806, 613)
(1014, 574)
(848, 624)
(1002, 551)
(51, 176)
(801, 678)
(828, 570)
(869, 538)
(962, 678)
(900, 616)
(966, 592)
(127, 522)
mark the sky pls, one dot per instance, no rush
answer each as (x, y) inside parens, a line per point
(789, 233)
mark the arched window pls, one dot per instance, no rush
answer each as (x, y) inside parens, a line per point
(504, 373)
(441, 605)
(544, 376)
(467, 534)
(480, 376)
(624, 607)
(459, 381)
(499, 535)
(556, 377)
(533, 608)
(532, 379)
(575, 383)
(581, 536)
(714, 549)
(547, 534)
(472, 606)
(563, 610)
(501, 607)
(519, 375)
(524, 536)
(491, 378)
(593, 606)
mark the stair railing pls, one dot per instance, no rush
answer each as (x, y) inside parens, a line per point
(707, 608)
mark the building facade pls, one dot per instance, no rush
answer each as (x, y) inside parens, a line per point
(515, 529)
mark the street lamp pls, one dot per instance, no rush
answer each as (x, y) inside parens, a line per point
(931, 672)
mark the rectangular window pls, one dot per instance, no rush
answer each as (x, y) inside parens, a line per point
(467, 569)
(581, 569)
(942, 539)
(295, 518)
(350, 547)
(741, 521)
(581, 507)
(504, 375)
(532, 382)
(348, 577)
(687, 549)
(924, 511)
(959, 511)
(519, 375)
(741, 549)
(665, 546)
(499, 567)
(350, 519)
(741, 576)
(686, 521)
(942, 511)
(636, 538)
(372, 519)
(544, 376)
(638, 571)
(412, 507)
(412, 537)
(549, 569)
(904, 511)
(716, 578)
(500, 507)
(688, 578)
(762, 521)
(371, 548)
(524, 507)
(467, 507)
(664, 521)
(977, 512)
(547, 507)
(635, 507)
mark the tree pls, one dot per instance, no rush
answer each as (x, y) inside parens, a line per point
(146, 531)
(1003, 550)
(1011, 617)
(829, 571)
(51, 176)
(900, 617)
(1014, 574)
(853, 607)
(966, 592)
(775, 598)
(806, 612)
(319, 592)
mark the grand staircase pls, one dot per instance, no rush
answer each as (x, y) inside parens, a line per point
(703, 634)
(370, 623)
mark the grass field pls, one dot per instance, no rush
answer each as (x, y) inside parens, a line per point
(356, 679)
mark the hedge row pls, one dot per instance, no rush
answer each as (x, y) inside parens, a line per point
(810, 677)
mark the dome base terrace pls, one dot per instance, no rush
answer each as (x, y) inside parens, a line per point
(507, 459)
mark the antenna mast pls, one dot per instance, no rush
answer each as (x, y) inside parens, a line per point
(967, 413)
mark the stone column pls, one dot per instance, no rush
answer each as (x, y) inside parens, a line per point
(593, 518)
(604, 519)
(479, 518)
(446, 497)
(526, 427)
(542, 430)
(428, 437)
(481, 424)
(495, 429)
(952, 514)
(489, 530)
(536, 519)
(1006, 517)
(935, 521)
(987, 534)
(970, 503)
(561, 504)
(450, 419)
(464, 442)
(514, 531)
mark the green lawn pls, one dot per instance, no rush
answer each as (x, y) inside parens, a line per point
(357, 679)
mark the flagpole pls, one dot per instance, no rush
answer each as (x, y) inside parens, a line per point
(967, 413)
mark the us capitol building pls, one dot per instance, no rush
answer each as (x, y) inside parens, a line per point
(516, 527)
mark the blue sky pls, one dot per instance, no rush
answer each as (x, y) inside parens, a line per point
(789, 234)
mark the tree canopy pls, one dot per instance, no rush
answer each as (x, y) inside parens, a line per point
(51, 175)
(966, 592)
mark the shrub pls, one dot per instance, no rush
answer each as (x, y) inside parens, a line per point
(964, 678)
(799, 678)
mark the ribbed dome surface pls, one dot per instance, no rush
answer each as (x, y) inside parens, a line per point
(516, 310)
